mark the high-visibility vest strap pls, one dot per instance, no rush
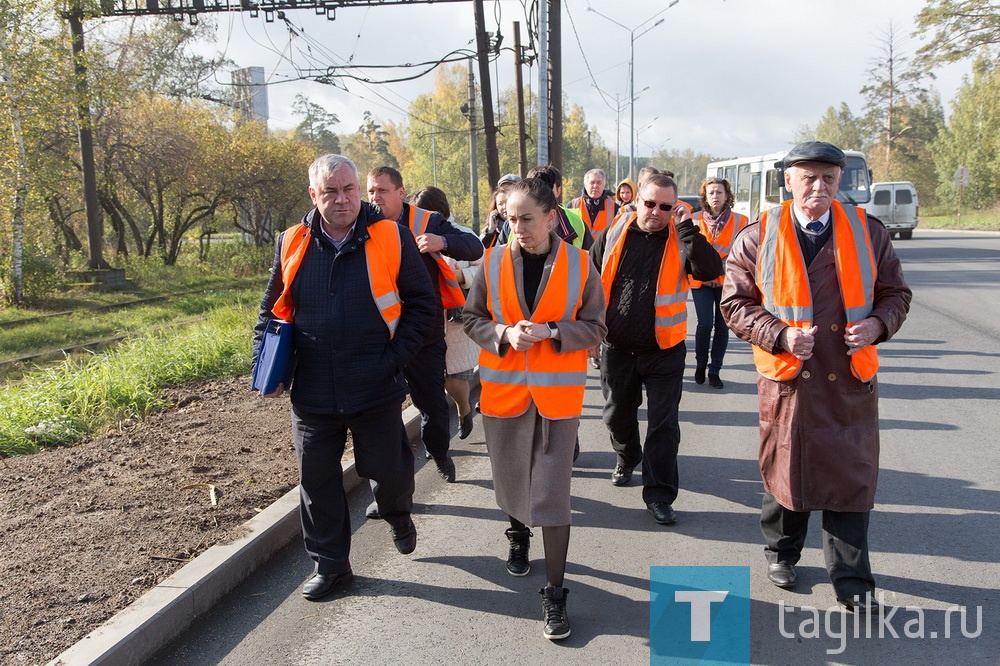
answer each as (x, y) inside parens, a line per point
(670, 302)
(554, 381)
(723, 242)
(783, 280)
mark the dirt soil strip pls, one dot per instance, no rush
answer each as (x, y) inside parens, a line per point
(87, 530)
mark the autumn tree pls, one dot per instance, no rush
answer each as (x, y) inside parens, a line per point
(839, 127)
(962, 29)
(316, 127)
(972, 138)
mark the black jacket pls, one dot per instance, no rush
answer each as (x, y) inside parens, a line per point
(461, 246)
(345, 361)
(631, 305)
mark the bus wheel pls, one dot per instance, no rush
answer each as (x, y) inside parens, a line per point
(906, 235)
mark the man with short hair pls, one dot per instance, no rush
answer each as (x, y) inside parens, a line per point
(597, 206)
(350, 349)
(647, 328)
(814, 286)
(569, 224)
(426, 372)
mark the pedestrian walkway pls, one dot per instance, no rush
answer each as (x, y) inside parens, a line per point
(452, 601)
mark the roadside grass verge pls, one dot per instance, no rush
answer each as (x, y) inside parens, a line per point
(83, 327)
(59, 404)
(940, 217)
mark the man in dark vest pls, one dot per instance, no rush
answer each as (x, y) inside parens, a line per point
(350, 352)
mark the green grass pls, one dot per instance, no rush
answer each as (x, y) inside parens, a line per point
(83, 327)
(972, 220)
(59, 404)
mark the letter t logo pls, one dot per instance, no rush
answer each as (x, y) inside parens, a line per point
(701, 610)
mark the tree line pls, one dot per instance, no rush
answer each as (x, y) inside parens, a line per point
(177, 161)
(902, 127)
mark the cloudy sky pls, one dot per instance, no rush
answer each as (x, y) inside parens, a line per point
(725, 77)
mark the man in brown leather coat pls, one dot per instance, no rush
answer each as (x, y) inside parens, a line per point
(787, 281)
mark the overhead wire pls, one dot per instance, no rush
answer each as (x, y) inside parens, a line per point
(604, 97)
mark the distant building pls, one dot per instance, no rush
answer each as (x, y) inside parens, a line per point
(251, 93)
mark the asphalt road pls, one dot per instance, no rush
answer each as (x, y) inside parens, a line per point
(935, 533)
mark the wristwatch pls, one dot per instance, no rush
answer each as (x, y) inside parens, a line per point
(552, 329)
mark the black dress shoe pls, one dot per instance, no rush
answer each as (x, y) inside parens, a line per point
(405, 537)
(715, 382)
(446, 468)
(662, 512)
(321, 585)
(862, 604)
(465, 425)
(699, 375)
(372, 511)
(621, 475)
(576, 449)
(782, 574)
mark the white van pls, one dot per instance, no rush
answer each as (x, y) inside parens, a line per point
(895, 204)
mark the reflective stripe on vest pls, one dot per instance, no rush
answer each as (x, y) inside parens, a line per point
(783, 280)
(451, 293)
(605, 216)
(723, 242)
(554, 381)
(671, 283)
(383, 254)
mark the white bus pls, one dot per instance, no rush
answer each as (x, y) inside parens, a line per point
(755, 183)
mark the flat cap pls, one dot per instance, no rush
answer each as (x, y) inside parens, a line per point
(508, 178)
(816, 151)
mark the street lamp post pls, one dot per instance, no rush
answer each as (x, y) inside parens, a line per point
(632, 36)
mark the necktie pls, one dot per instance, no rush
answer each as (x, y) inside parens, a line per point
(815, 227)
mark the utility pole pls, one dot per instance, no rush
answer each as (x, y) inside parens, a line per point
(522, 135)
(472, 149)
(543, 82)
(483, 51)
(95, 223)
(555, 98)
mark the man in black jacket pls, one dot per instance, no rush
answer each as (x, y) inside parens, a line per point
(350, 353)
(645, 258)
(425, 373)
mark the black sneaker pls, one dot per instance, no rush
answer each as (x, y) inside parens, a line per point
(699, 375)
(554, 613)
(715, 382)
(517, 560)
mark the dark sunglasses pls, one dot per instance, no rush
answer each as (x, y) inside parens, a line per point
(652, 204)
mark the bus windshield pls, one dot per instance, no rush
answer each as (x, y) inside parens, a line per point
(854, 184)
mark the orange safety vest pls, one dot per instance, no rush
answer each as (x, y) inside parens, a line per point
(671, 284)
(555, 381)
(604, 217)
(451, 294)
(783, 280)
(723, 242)
(383, 254)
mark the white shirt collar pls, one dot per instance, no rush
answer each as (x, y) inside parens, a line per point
(802, 220)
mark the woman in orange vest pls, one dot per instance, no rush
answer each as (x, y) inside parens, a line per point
(536, 307)
(719, 223)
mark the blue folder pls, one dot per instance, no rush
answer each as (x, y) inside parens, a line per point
(276, 360)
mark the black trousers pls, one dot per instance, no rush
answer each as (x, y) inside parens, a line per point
(845, 544)
(379, 454)
(425, 374)
(623, 377)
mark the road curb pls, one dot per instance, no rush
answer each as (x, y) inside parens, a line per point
(139, 631)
